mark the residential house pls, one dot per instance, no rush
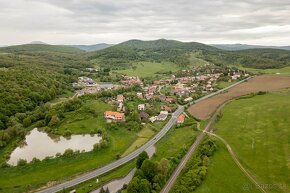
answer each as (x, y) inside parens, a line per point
(188, 99)
(139, 95)
(116, 116)
(166, 108)
(143, 116)
(181, 119)
(120, 98)
(162, 116)
(169, 100)
(153, 119)
(120, 107)
(141, 107)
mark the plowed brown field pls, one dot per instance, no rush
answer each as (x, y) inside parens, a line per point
(204, 109)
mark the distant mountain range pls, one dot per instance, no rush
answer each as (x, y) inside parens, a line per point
(246, 46)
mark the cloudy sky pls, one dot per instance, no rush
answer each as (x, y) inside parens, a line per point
(265, 22)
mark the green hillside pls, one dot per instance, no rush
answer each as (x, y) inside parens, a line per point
(39, 48)
(121, 56)
(253, 58)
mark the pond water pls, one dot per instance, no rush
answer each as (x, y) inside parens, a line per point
(39, 144)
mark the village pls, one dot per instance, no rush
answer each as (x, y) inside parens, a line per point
(156, 101)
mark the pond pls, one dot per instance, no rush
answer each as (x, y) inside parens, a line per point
(39, 144)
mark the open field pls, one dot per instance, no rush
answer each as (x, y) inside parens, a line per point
(175, 142)
(258, 133)
(233, 179)
(149, 69)
(204, 109)
(143, 136)
(223, 84)
(282, 71)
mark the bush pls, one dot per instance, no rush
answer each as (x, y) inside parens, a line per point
(21, 162)
(68, 152)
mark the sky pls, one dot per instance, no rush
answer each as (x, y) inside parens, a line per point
(263, 22)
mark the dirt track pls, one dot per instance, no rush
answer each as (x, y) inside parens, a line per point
(204, 109)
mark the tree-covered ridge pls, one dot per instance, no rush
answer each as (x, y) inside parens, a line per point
(27, 80)
(40, 48)
(122, 55)
(254, 58)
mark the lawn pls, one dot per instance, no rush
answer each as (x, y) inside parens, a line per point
(257, 128)
(149, 69)
(224, 175)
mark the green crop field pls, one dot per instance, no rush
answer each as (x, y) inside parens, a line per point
(224, 175)
(149, 69)
(258, 130)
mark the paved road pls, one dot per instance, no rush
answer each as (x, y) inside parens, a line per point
(119, 162)
(188, 155)
(131, 156)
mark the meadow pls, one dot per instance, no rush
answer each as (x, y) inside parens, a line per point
(224, 175)
(257, 129)
(149, 69)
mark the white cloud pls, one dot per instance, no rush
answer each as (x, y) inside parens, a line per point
(113, 21)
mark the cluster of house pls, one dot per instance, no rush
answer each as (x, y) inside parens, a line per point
(87, 85)
(204, 83)
(150, 91)
(116, 115)
(84, 81)
(130, 80)
(236, 75)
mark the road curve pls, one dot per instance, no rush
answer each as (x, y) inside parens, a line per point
(133, 155)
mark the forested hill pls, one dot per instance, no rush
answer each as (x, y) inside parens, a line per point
(30, 77)
(253, 58)
(123, 54)
(120, 55)
(246, 46)
(26, 48)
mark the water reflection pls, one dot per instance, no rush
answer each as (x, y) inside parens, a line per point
(40, 145)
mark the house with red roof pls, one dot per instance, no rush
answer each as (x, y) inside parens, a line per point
(181, 119)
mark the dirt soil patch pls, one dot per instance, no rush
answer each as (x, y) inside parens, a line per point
(204, 109)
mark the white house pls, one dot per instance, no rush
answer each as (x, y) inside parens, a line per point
(141, 107)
